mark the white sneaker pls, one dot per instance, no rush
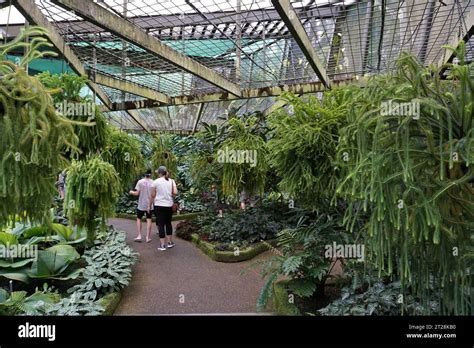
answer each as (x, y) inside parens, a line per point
(162, 248)
(170, 245)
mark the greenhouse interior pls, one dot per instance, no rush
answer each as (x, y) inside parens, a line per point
(241, 157)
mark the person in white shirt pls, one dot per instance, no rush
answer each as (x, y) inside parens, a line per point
(163, 193)
(143, 190)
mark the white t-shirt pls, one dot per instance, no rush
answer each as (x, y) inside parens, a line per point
(164, 197)
(144, 186)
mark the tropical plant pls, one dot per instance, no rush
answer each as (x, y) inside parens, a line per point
(301, 256)
(32, 134)
(379, 299)
(92, 130)
(162, 154)
(302, 145)
(248, 177)
(75, 305)
(18, 303)
(92, 188)
(185, 229)
(124, 153)
(109, 266)
(412, 172)
(56, 262)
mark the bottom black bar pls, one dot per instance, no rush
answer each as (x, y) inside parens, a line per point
(164, 330)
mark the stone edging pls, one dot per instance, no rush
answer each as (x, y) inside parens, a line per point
(110, 303)
(229, 256)
(280, 300)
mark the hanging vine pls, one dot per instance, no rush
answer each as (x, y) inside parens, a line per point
(33, 135)
(411, 169)
(91, 126)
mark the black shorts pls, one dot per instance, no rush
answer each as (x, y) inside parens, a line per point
(140, 214)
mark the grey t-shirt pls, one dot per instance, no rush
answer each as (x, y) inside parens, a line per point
(144, 187)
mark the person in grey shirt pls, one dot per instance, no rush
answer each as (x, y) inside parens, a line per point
(143, 191)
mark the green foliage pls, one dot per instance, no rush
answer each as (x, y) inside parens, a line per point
(300, 255)
(236, 177)
(92, 187)
(32, 135)
(244, 227)
(56, 262)
(75, 305)
(124, 153)
(162, 155)
(18, 303)
(413, 175)
(185, 229)
(109, 267)
(302, 145)
(379, 299)
(92, 130)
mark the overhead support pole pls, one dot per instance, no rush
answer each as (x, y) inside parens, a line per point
(34, 15)
(294, 25)
(116, 25)
(298, 88)
(198, 118)
(129, 87)
(468, 30)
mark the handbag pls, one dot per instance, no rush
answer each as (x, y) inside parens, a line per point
(174, 208)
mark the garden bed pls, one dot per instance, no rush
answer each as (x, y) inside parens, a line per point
(244, 254)
(283, 304)
(176, 217)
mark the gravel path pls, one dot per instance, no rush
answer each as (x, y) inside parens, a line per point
(183, 280)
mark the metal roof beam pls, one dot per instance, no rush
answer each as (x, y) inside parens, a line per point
(34, 15)
(300, 88)
(294, 25)
(467, 31)
(130, 32)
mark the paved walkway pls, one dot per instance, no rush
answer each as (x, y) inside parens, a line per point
(183, 280)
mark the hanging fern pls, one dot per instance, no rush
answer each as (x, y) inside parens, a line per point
(251, 174)
(162, 155)
(66, 92)
(32, 134)
(414, 175)
(124, 152)
(92, 189)
(303, 145)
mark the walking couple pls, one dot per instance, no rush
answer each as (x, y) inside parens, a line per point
(158, 197)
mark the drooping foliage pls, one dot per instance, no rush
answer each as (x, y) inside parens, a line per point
(32, 134)
(413, 173)
(124, 152)
(162, 155)
(66, 91)
(303, 143)
(247, 173)
(92, 188)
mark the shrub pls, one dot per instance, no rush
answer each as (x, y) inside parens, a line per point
(185, 229)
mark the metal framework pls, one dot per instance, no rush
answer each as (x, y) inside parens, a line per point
(166, 65)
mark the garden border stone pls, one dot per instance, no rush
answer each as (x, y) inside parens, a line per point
(280, 300)
(110, 303)
(229, 256)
